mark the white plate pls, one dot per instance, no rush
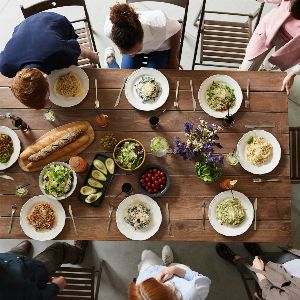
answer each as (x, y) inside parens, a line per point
(269, 165)
(59, 99)
(73, 184)
(202, 95)
(226, 229)
(16, 144)
(134, 99)
(44, 235)
(127, 230)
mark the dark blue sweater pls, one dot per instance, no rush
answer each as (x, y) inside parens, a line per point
(24, 279)
(46, 41)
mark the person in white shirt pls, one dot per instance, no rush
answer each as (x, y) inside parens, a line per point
(140, 36)
(160, 278)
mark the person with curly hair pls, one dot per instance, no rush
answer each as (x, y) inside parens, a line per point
(140, 36)
(279, 29)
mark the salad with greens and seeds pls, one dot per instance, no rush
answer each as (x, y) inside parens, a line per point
(129, 155)
(230, 212)
(57, 180)
(138, 216)
(220, 96)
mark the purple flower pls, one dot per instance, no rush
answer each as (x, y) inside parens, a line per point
(188, 127)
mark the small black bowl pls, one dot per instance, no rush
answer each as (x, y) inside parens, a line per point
(160, 193)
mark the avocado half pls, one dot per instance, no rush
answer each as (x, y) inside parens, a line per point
(87, 190)
(93, 197)
(110, 165)
(98, 164)
(95, 183)
(98, 175)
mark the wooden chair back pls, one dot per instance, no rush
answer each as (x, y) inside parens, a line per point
(295, 154)
(223, 43)
(82, 283)
(181, 3)
(84, 32)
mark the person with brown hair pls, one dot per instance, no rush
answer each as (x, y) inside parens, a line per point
(40, 44)
(142, 34)
(161, 279)
(280, 28)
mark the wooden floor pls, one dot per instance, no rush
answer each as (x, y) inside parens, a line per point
(268, 106)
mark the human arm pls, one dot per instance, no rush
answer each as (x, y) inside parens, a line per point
(175, 45)
(289, 79)
(91, 55)
(169, 272)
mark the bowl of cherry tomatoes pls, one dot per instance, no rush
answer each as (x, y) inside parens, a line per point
(154, 181)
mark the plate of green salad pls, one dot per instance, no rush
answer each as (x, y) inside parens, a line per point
(231, 214)
(9, 147)
(129, 154)
(57, 181)
(219, 93)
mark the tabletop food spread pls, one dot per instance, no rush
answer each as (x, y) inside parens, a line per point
(212, 153)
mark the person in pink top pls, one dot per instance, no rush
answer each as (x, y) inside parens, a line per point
(280, 28)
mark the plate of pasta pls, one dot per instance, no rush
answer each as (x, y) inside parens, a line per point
(218, 93)
(68, 87)
(42, 219)
(231, 214)
(259, 152)
(138, 217)
(147, 89)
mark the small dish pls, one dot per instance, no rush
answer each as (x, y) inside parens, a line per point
(120, 145)
(162, 187)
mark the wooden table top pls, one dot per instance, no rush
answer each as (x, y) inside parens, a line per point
(268, 106)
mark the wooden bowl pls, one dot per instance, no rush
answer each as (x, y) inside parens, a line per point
(118, 146)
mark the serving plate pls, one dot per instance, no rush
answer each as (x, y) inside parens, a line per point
(269, 165)
(60, 100)
(135, 100)
(43, 235)
(202, 95)
(226, 229)
(127, 230)
(16, 144)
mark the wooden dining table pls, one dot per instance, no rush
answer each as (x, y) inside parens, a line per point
(268, 105)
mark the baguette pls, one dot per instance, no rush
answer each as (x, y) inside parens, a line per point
(45, 141)
(65, 151)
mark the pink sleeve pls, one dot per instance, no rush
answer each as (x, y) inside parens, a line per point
(271, 1)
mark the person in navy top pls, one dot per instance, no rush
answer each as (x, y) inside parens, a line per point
(40, 44)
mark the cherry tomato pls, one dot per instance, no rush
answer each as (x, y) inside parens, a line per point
(155, 190)
(149, 184)
(161, 186)
(149, 190)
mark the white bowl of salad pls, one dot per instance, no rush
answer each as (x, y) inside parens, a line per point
(57, 181)
(129, 154)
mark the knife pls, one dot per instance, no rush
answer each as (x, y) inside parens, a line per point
(121, 90)
(259, 126)
(255, 209)
(193, 98)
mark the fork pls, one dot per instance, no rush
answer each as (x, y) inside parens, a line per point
(13, 211)
(193, 97)
(97, 103)
(120, 92)
(247, 101)
(72, 217)
(255, 210)
(259, 180)
(110, 211)
(176, 105)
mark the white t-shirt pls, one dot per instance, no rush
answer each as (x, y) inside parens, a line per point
(158, 29)
(293, 267)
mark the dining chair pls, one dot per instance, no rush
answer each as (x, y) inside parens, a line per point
(81, 283)
(295, 154)
(84, 32)
(223, 43)
(181, 3)
(252, 288)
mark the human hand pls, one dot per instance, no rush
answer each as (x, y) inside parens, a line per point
(288, 82)
(94, 58)
(165, 274)
(258, 263)
(60, 281)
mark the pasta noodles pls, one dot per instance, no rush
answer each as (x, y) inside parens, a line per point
(68, 85)
(258, 151)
